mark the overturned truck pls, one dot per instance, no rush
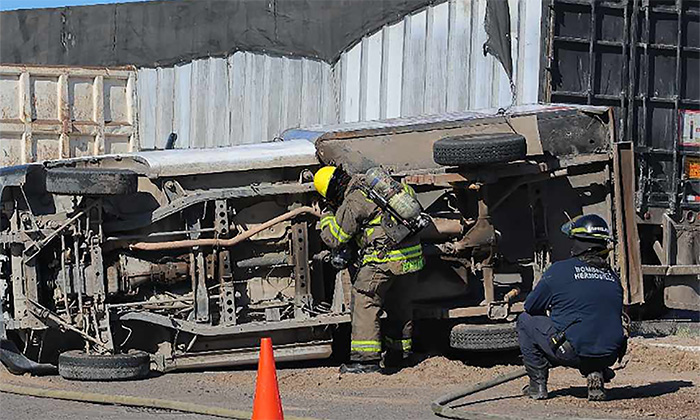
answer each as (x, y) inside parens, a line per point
(115, 265)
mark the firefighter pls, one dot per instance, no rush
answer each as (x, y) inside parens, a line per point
(384, 279)
(583, 296)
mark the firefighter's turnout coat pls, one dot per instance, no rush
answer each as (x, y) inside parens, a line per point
(384, 279)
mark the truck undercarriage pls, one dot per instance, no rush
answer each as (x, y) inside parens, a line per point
(191, 257)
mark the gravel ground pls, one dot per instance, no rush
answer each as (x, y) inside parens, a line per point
(660, 380)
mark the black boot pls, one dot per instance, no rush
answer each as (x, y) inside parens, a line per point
(537, 388)
(360, 367)
(608, 374)
(596, 386)
(393, 360)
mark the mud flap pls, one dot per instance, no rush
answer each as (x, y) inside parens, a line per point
(13, 359)
(18, 364)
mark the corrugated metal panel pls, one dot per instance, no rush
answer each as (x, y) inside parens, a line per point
(60, 112)
(432, 62)
(245, 98)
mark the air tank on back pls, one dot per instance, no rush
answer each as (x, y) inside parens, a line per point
(398, 197)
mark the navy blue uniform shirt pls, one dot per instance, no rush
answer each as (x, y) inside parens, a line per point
(573, 290)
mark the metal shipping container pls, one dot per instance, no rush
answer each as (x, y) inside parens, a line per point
(643, 59)
(59, 112)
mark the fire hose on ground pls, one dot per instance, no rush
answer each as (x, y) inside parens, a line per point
(125, 400)
(441, 408)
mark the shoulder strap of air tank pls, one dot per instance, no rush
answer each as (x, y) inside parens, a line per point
(375, 220)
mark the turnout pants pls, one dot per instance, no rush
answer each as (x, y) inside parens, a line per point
(375, 290)
(534, 336)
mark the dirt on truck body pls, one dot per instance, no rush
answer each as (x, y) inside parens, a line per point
(184, 259)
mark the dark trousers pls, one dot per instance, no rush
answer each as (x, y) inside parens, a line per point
(535, 338)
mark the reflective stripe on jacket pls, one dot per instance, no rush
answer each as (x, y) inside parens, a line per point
(335, 230)
(360, 218)
(411, 258)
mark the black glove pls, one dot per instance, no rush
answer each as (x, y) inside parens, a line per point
(340, 258)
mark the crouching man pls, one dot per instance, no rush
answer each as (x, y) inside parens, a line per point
(584, 327)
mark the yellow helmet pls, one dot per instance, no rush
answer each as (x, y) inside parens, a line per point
(322, 179)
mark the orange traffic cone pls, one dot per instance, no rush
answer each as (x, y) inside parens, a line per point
(267, 404)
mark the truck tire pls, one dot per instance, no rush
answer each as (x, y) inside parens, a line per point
(85, 181)
(79, 366)
(479, 149)
(484, 337)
